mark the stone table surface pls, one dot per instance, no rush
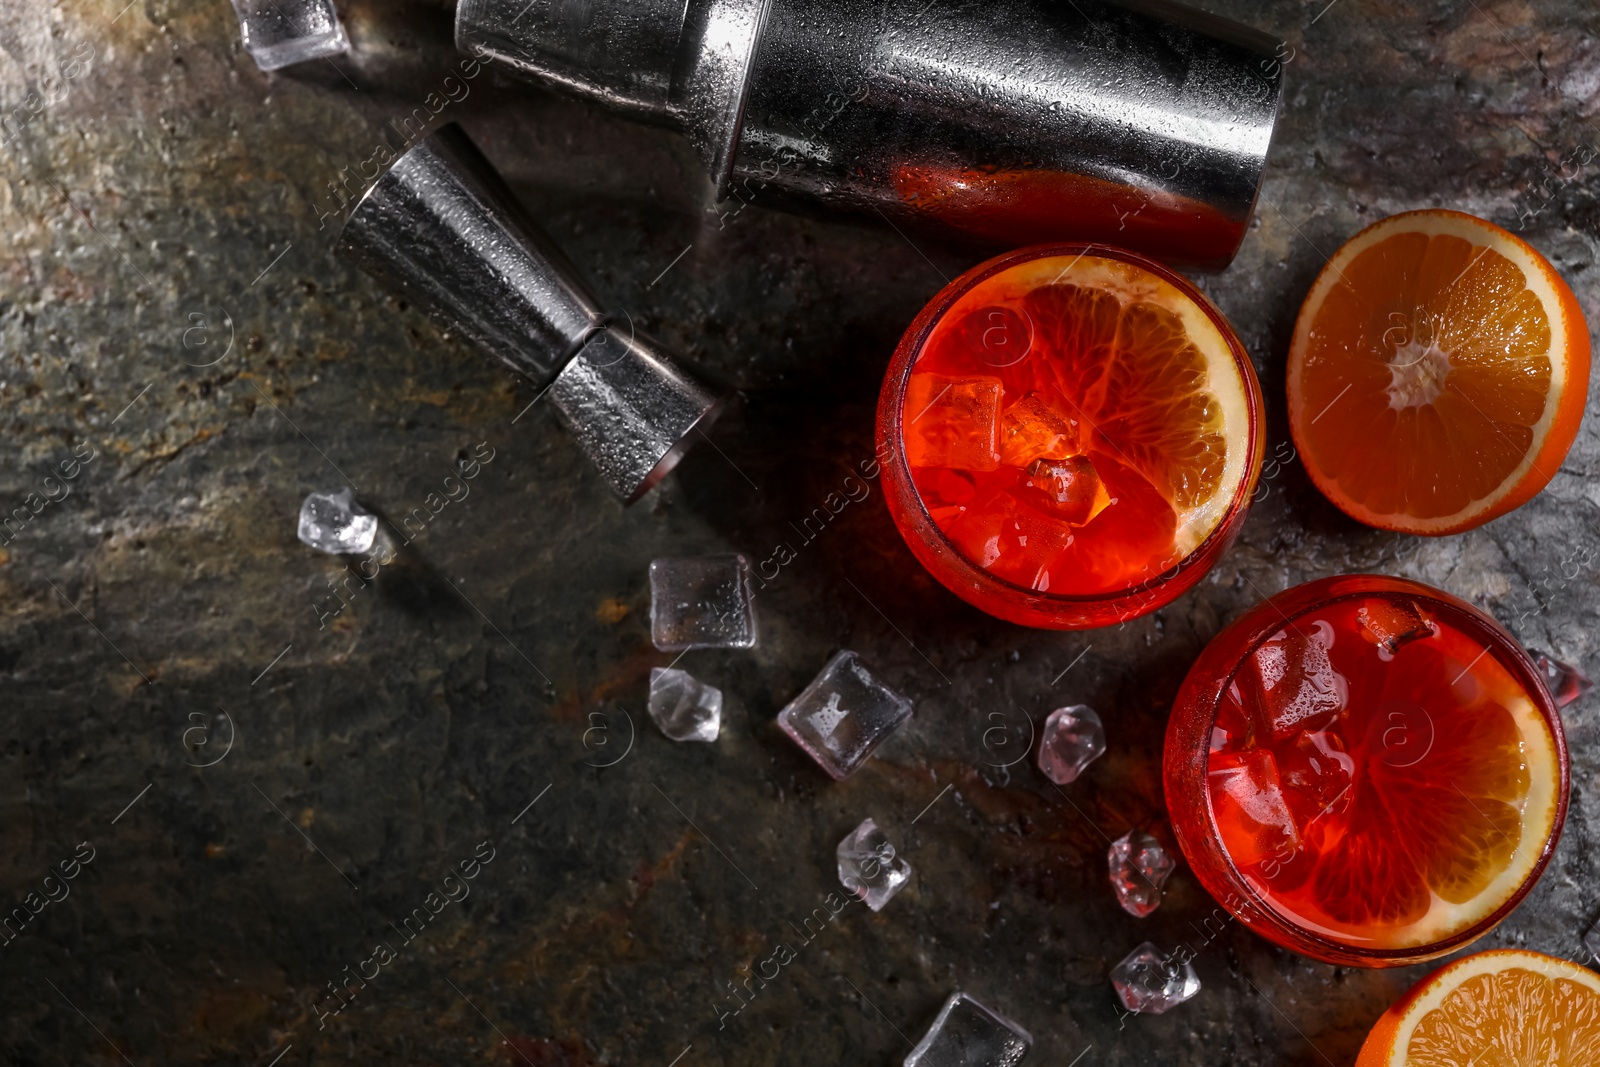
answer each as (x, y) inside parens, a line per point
(267, 787)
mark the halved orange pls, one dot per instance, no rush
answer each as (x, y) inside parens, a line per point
(1438, 373)
(1505, 1008)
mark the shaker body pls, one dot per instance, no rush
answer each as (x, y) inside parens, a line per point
(1007, 122)
(1016, 122)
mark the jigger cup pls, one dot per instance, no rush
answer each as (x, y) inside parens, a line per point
(441, 228)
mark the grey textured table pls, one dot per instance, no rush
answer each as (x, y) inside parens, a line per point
(160, 210)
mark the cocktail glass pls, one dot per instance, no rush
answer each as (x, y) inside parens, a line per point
(1366, 770)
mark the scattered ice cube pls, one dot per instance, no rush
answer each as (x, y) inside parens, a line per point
(1072, 739)
(1031, 429)
(967, 1034)
(869, 866)
(334, 523)
(1069, 489)
(1390, 624)
(705, 602)
(277, 33)
(1299, 687)
(1139, 868)
(1566, 682)
(685, 708)
(1591, 944)
(952, 422)
(1248, 804)
(843, 715)
(1150, 982)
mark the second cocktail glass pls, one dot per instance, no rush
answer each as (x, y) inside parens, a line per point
(1366, 770)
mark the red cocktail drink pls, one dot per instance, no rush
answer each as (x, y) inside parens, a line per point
(1070, 436)
(1366, 770)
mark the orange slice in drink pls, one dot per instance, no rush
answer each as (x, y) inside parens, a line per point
(1506, 1008)
(1126, 431)
(1410, 816)
(1438, 373)
(1440, 831)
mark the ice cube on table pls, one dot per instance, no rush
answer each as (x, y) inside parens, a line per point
(843, 715)
(1248, 804)
(1140, 868)
(952, 422)
(705, 602)
(869, 867)
(334, 523)
(1297, 685)
(967, 1034)
(1150, 981)
(1032, 429)
(1565, 682)
(277, 33)
(1073, 738)
(685, 708)
(1392, 624)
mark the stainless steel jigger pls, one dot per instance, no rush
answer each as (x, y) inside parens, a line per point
(442, 229)
(1143, 123)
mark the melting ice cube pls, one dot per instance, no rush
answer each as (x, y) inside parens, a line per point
(967, 1034)
(1139, 868)
(1031, 429)
(1072, 739)
(1011, 539)
(277, 33)
(1320, 770)
(1299, 687)
(843, 715)
(869, 866)
(705, 602)
(685, 708)
(952, 422)
(1248, 803)
(1151, 982)
(1392, 624)
(334, 523)
(1070, 489)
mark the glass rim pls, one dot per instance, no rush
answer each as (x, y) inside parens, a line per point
(907, 351)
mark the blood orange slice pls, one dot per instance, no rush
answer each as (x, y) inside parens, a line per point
(1506, 1008)
(1124, 433)
(1438, 373)
(1412, 792)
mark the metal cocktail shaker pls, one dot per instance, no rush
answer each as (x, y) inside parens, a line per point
(1142, 124)
(441, 228)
